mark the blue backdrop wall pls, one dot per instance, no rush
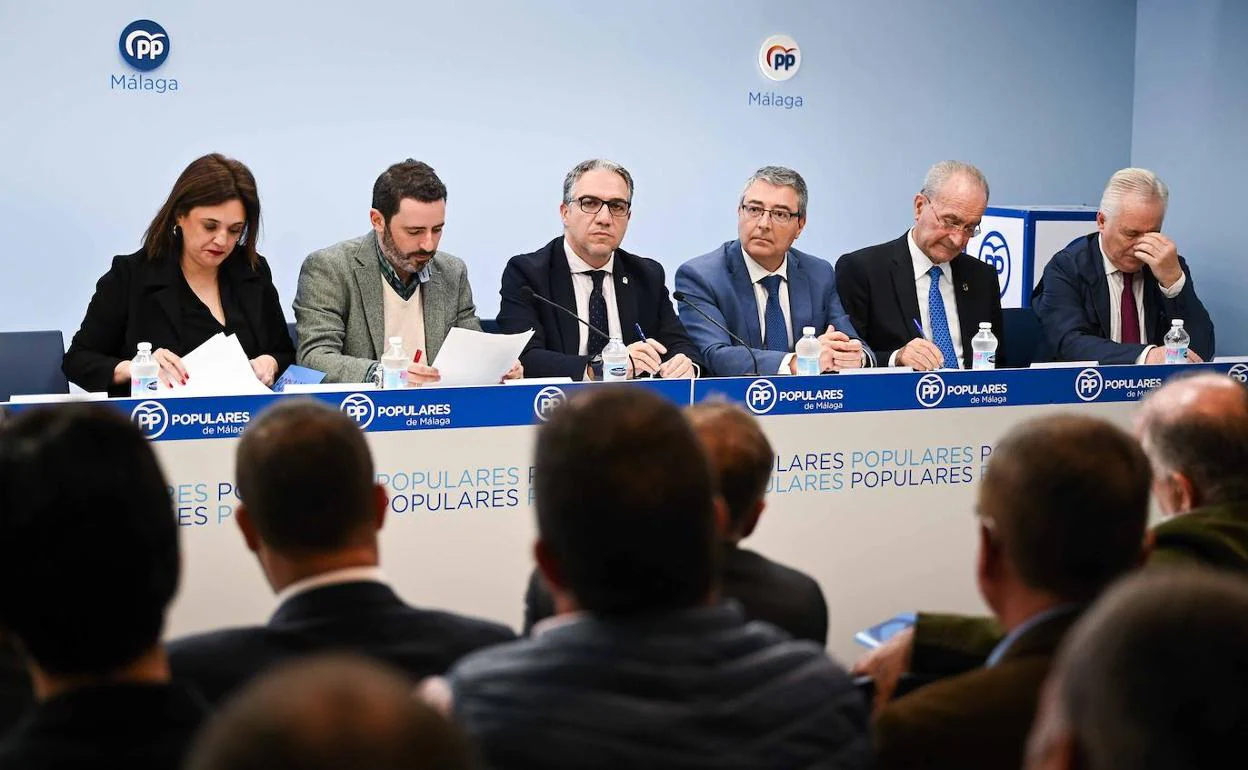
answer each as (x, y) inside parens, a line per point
(1191, 124)
(503, 97)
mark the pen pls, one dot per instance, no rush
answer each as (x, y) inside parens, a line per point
(918, 327)
(641, 335)
(416, 358)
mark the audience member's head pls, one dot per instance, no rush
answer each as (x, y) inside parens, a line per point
(88, 541)
(326, 714)
(625, 505)
(1153, 676)
(1063, 508)
(1195, 431)
(305, 477)
(741, 458)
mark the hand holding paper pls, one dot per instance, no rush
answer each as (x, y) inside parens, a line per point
(475, 358)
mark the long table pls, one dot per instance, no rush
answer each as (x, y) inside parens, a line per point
(872, 491)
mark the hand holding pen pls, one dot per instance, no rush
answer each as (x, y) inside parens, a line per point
(421, 374)
(920, 353)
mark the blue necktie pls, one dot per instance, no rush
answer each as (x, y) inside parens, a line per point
(597, 314)
(775, 335)
(940, 324)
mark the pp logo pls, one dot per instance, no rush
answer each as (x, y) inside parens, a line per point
(995, 251)
(360, 408)
(779, 57)
(1239, 372)
(547, 400)
(151, 418)
(930, 390)
(144, 45)
(1089, 384)
(761, 396)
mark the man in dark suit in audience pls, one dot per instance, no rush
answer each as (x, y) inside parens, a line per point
(587, 272)
(89, 563)
(15, 694)
(1152, 677)
(918, 300)
(742, 460)
(1195, 431)
(311, 511)
(642, 666)
(1110, 296)
(330, 713)
(1063, 509)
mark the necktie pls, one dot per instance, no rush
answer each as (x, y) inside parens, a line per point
(940, 324)
(1130, 320)
(597, 314)
(775, 335)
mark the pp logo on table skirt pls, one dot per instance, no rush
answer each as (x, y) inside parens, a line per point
(761, 396)
(930, 390)
(151, 418)
(547, 400)
(1239, 372)
(1088, 385)
(360, 408)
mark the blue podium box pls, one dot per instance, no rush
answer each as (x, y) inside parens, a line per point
(1020, 240)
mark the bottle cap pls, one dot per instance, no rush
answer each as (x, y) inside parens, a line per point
(145, 346)
(1177, 322)
(396, 340)
(985, 325)
(808, 330)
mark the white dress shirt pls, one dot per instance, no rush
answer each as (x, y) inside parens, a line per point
(1114, 277)
(583, 286)
(336, 577)
(922, 285)
(757, 273)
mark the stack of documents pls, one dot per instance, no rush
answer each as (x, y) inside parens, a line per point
(477, 358)
(219, 367)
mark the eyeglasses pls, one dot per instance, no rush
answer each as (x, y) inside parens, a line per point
(778, 216)
(591, 205)
(950, 223)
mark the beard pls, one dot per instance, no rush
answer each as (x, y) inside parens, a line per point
(408, 263)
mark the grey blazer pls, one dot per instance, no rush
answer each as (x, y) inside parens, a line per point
(341, 318)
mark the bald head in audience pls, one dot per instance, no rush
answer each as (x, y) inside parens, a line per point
(329, 713)
(1154, 676)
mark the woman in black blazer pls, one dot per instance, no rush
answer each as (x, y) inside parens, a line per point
(197, 275)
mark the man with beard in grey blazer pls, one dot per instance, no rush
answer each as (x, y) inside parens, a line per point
(391, 282)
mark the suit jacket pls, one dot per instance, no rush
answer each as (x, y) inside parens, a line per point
(139, 726)
(139, 300)
(15, 690)
(720, 283)
(341, 312)
(364, 618)
(877, 287)
(976, 720)
(1072, 303)
(640, 297)
(790, 600)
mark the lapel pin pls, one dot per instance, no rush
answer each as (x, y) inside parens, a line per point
(624, 279)
(965, 287)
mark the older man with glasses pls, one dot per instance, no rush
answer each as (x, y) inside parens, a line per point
(746, 302)
(582, 286)
(919, 299)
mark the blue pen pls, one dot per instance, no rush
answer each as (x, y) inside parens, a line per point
(918, 327)
(641, 335)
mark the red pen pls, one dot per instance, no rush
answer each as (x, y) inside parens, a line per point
(416, 358)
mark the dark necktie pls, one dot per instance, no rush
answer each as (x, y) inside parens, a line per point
(775, 334)
(1130, 319)
(597, 314)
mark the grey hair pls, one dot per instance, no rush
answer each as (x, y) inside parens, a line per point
(1133, 181)
(945, 170)
(594, 164)
(780, 176)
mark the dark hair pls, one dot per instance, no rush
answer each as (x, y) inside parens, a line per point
(1069, 499)
(624, 499)
(209, 181)
(306, 476)
(409, 179)
(88, 540)
(741, 457)
(326, 713)
(1208, 442)
(1135, 691)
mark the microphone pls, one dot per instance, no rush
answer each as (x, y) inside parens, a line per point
(528, 293)
(679, 296)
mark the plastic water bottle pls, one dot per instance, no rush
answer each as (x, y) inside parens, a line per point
(144, 373)
(808, 350)
(1177, 340)
(394, 365)
(984, 348)
(615, 361)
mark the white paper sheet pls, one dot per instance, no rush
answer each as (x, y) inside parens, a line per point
(475, 358)
(219, 367)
